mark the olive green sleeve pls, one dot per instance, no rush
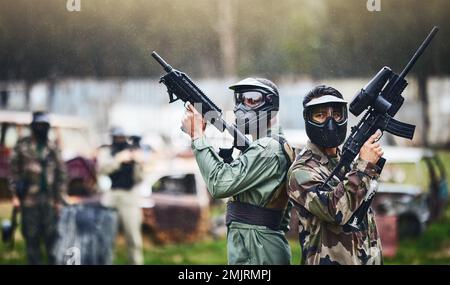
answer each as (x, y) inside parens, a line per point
(224, 180)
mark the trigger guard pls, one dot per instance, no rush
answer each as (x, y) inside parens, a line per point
(379, 138)
(171, 96)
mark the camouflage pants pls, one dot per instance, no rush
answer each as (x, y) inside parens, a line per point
(39, 225)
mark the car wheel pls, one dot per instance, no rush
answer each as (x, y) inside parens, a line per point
(408, 226)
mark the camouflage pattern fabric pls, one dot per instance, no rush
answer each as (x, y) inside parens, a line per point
(39, 224)
(38, 180)
(29, 163)
(323, 213)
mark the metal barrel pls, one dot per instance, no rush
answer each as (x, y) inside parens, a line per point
(419, 51)
(162, 62)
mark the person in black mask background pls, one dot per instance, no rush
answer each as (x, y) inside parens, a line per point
(120, 162)
(38, 183)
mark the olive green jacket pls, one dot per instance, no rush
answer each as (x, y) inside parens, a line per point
(252, 178)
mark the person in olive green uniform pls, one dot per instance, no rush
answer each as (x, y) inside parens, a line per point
(258, 213)
(38, 178)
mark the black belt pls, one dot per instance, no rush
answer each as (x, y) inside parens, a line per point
(253, 215)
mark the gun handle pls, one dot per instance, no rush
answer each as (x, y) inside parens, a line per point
(380, 164)
(226, 154)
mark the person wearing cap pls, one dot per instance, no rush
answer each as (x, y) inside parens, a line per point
(39, 185)
(258, 211)
(323, 212)
(120, 162)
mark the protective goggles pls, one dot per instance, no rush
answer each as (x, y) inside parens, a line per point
(319, 114)
(250, 98)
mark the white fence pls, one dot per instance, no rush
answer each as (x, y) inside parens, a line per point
(141, 105)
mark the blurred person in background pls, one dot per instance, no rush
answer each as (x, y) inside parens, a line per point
(120, 161)
(38, 183)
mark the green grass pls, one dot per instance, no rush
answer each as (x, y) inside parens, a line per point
(433, 247)
(206, 251)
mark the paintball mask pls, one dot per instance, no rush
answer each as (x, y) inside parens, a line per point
(326, 120)
(256, 100)
(40, 126)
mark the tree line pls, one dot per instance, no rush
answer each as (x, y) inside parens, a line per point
(217, 38)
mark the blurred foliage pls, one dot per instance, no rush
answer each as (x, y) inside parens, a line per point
(433, 247)
(41, 39)
(209, 251)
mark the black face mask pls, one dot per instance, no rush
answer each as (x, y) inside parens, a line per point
(255, 122)
(254, 118)
(117, 147)
(40, 133)
(328, 134)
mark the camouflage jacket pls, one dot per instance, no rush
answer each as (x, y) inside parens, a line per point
(322, 213)
(37, 173)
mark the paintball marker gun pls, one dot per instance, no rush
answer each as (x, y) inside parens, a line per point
(180, 86)
(382, 99)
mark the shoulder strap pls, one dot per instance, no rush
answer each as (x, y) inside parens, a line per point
(289, 154)
(287, 149)
(279, 198)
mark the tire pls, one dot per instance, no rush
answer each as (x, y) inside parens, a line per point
(408, 226)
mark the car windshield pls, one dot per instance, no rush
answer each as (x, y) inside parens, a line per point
(175, 185)
(73, 142)
(415, 174)
(14, 133)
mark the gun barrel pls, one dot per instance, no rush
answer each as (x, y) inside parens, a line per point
(162, 62)
(419, 52)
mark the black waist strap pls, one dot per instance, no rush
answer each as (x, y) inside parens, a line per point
(253, 215)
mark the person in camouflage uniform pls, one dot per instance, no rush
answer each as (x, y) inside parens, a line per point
(258, 213)
(38, 183)
(323, 234)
